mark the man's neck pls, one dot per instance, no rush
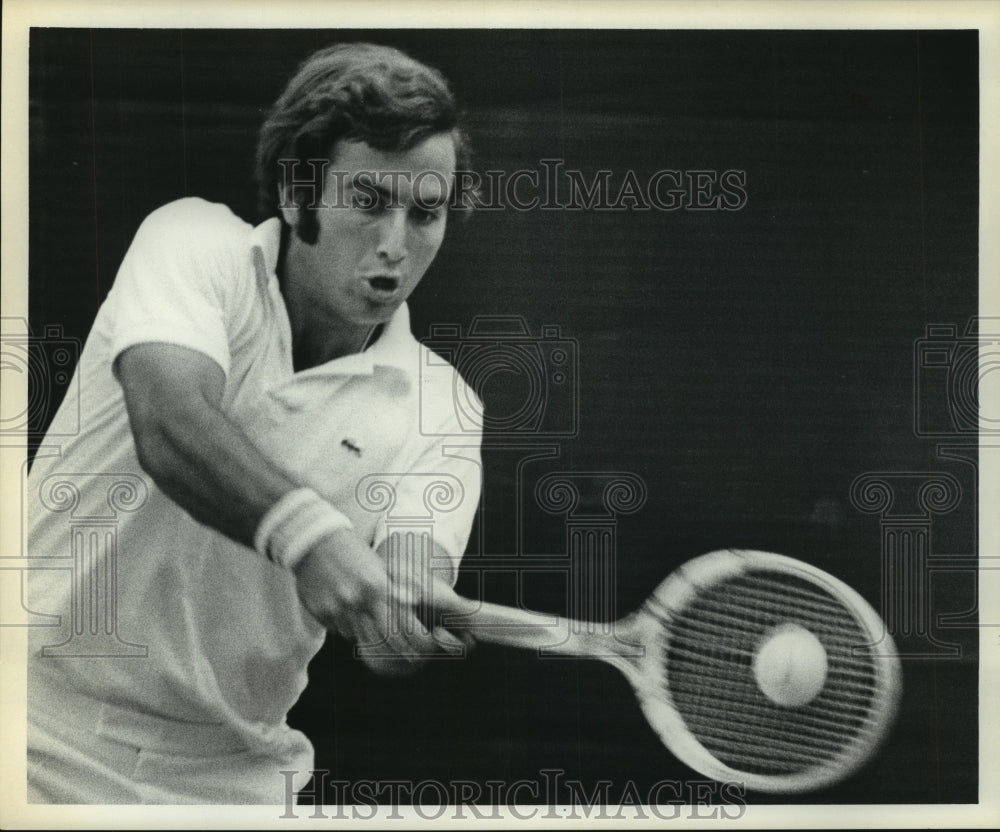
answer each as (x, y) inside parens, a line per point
(318, 337)
(333, 341)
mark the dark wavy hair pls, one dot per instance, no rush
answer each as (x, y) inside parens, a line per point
(359, 92)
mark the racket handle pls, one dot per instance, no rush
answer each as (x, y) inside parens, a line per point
(515, 627)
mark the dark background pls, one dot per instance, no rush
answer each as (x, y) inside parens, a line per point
(746, 365)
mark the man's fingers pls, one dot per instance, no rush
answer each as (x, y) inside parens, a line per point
(396, 632)
(388, 622)
(446, 600)
(369, 639)
(415, 637)
(452, 643)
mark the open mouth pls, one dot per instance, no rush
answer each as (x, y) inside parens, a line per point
(383, 283)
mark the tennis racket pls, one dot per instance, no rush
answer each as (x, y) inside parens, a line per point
(751, 666)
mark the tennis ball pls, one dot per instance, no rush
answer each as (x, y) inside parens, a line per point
(790, 666)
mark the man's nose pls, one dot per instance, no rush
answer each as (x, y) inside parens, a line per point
(392, 236)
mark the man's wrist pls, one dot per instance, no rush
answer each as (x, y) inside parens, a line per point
(294, 524)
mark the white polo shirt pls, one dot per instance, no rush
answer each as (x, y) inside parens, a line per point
(225, 638)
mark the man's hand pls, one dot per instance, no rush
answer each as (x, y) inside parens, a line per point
(348, 588)
(386, 604)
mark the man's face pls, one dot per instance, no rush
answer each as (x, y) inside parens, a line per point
(382, 225)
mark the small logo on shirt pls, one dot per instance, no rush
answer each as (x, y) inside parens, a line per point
(349, 444)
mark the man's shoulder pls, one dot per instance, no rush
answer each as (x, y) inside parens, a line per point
(445, 393)
(435, 368)
(197, 220)
(192, 210)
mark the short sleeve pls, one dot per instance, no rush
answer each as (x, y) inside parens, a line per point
(176, 281)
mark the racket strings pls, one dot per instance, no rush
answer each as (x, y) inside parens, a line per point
(709, 677)
(714, 629)
(820, 728)
(734, 609)
(736, 697)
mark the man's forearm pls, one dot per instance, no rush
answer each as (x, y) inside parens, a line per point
(205, 463)
(195, 453)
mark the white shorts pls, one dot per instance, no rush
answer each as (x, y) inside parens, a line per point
(81, 750)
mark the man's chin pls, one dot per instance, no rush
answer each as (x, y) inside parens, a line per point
(380, 312)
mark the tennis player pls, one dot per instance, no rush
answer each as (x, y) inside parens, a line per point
(241, 388)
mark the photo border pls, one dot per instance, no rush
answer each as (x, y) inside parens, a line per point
(20, 15)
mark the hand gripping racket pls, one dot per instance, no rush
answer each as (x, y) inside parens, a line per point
(752, 667)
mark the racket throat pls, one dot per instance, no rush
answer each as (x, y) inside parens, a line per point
(550, 635)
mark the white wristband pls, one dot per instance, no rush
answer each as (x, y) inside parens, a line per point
(292, 526)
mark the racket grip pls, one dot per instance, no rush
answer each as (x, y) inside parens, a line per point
(513, 626)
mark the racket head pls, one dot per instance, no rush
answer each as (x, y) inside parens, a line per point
(696, 685)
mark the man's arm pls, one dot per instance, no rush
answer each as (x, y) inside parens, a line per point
(207, 465)
(191, 449)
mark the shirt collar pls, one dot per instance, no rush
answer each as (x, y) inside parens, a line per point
(395, 347)
(265, 243)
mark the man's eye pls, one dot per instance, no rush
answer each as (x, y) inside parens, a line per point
(423, 216)
(371, 202)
